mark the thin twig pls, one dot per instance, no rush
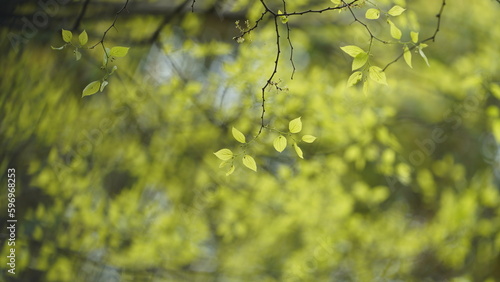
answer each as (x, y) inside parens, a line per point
(80, 16)
(289, 41)
(269, 80)
(433, 37)
(111, 26)
(192, 6)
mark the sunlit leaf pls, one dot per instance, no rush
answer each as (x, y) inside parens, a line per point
(67, 35)
(422, 54)
(396, 11)
(352, 50)
(372, 14)
(354, 78)
(91, 88)
(407, 56)
(103, 84)
(377, 75)
(298, 150)
(359, 61)
(395, 31)
(308, 138)
(336, 2)
(58, 48)
(284, 19)
(224, 163)
(279, 143)
(78, 55)
(295, 125)
(249, 162)
(414, 36)
(118, 51)
(238, 135)
(224, 154)
(83, 38)
(231, 170)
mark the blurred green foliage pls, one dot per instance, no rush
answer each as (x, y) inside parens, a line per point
(402, 183)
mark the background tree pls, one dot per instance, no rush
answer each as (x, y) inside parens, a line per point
(400, 184)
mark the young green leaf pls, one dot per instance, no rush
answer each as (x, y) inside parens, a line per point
(395, 31)
(67, 36)
(230, 171)
(377, 75)
(407, 56)
(295, 125)
(58, 48)
(352, 50)
(336, 2)
(308, 138)
(359, 61)
(298, 150)
(279, 143)
(249, 162)
(238, 136)
(113, 70)
(118, 51)
(224, 154)
(422, 54)
(78, 55)
(83, 38)
(354, 78)
(91, 88)
(372, 14)
(414, 36)
(396, 11)
(284, 19)
(224, 163)
(103, 84)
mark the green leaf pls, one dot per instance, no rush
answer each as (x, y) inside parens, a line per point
(336, 2)
(308, 138)
(58, 48)
(92, 88)
(354, 78)
(224, 154)
(279, 143)
(118, 51)
(395, 31)
(377, 75)
(407, 56)
(238, 136)
(284, 19)
(103, 84)
(298, 150)
(67, 35)
(83, 37)
(352, 50)
(230, 171)
(113, 70)
(249, 162)
(396, 11)
(372, 14)
(105, 57)
(414, 36)
(295, 126)
(224, 163)
(78, 55)
(422, 54)
(359, 61)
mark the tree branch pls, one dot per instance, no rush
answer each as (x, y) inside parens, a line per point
(80, 16)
